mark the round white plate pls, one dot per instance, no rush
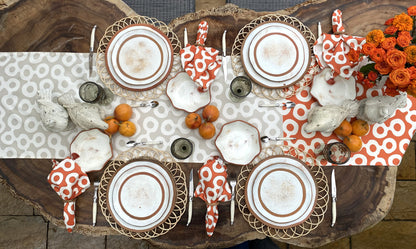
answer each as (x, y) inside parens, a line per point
(141, 195)
(238, 142)
(94, 149)
(260, 61)
(184, 95)
(281, 192)
(139, 57)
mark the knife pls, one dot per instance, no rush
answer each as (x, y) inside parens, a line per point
(224, 55)
(191, 196)
(94, 205)
(334, 198)
(91, 49)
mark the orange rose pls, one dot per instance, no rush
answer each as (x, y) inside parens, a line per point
(383, 68)
(375, 37)
(411, 10)
(412, 72)
(368, 48)
(390, 88)
(410, 52)
(411, 89)
(396, 58)
(390, 30)
(400, 77)
(372, 76)
(403, 22)
(378, 55)
(403, 39)
(388, 43)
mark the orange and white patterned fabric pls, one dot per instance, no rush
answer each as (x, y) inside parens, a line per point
(213, 188)
(69, 181)
(201, 63)
(338, 51)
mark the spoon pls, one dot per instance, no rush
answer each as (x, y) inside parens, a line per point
(134, 143)
(289, 104)
(266, 139)
(152, 104)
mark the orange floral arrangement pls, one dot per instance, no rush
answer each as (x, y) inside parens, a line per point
(392, 52)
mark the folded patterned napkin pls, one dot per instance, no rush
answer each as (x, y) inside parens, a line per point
(199, 62)
(337, 51)
(69, 181)
(213, 188)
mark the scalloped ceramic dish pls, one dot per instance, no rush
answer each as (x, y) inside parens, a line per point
(238, 142)
(184, 95)
(94, 149)
(281, 192)
(326, 94)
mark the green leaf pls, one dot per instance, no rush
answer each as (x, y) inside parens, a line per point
(367, 68)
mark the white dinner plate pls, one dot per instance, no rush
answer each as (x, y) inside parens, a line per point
(139, 57)
(141, 195)
(184, 95)
(275, 55)
(238, 142)
(281, 192)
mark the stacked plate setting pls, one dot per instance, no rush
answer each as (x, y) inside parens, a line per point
(275, 54)
(281, 192)
(139, 57)
(141, 195)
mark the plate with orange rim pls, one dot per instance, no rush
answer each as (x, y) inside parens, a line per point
(281, 192)
(139, 57)
(141, 195)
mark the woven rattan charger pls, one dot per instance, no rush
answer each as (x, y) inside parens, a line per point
(270, 93)
(180, 182)
(101, 64)
(319, 211)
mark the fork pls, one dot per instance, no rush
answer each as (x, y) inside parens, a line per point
(233, 182)
(289, 104)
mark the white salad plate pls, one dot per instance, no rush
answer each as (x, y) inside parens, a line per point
(281, 192)
(184, 95)
(139, 57)
(93, 148)
(141, 195)
(275, 55)
(238, 142)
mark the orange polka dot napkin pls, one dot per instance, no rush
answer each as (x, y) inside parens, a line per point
(69, 181)
(199, 62)
(213, 188)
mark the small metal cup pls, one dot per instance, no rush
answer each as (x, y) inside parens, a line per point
(240, 87)
(182, 148)
(336, 153)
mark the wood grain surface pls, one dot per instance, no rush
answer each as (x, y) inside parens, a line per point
(365, 194)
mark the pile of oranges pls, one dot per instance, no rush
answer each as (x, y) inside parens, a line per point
(120, 121)
(351, 132)
(210, 113)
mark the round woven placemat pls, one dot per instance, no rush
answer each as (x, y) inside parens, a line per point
(271, 93)
(317, 215)
(170, 164)
(101, 65)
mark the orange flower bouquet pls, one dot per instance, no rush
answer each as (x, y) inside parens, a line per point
(392, 53)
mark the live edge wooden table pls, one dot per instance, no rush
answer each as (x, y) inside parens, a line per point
(365, 193)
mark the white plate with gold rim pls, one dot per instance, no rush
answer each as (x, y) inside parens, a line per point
(275, 55)
(281, 192)
(139, 57)
(141, 195)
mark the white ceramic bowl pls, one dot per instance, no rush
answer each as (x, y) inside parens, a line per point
(94, 149)
(184, 95)
(238, 142)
